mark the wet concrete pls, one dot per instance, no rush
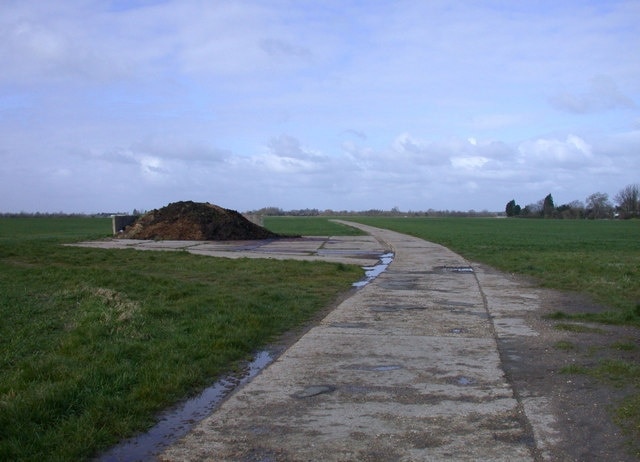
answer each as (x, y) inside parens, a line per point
(408, 368)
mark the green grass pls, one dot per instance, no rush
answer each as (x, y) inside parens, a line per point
(564, 345)
(309, 226)
(618, 373)
(581, 328)
(624, 346)
(615, 371)
(93, 342)
(627, 416)
(600, 258)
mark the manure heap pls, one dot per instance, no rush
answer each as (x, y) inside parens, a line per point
(195, 221)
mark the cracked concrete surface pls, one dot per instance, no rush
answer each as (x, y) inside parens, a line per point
(407, 368)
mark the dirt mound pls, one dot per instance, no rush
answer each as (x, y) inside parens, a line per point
(195, 221)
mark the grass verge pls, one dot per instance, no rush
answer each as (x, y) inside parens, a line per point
(93, 343)
(618, 373)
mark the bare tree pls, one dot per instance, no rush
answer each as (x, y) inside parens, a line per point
(572, 210)
(598, 206)
(628, 201)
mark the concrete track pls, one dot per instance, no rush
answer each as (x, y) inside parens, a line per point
(408, 368)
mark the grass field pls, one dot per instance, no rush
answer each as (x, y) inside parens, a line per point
(600, 258)
(309, 226)
(93, 343)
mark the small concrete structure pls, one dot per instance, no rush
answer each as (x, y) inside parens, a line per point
(255, 218)
(119, 222)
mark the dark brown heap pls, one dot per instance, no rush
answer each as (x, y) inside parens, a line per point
(195, 221)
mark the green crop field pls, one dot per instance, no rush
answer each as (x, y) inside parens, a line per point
(600, 258)
(309, 226)
(94, 342)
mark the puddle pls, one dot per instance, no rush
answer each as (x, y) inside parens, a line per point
(458, 330)
(462, 381)
(393, 367)
(347, 253)
(455, 269)
(176, 423)
(315, 390)
(372, 272)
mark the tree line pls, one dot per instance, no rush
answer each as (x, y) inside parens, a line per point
(393, 212)
(596, 206)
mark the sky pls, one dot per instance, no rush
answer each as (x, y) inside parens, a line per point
(110, 106)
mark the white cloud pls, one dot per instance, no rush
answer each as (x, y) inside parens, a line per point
(327, 104)
(285, 154)
(152, 167)
(602, 94)
(573, 151)
(469, 163)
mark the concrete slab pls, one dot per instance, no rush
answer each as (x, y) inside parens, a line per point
(408, 369)
(357, 250)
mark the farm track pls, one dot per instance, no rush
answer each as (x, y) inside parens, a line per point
(438, 358)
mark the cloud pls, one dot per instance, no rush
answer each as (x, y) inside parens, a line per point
(419, 152)
(153, 168)
(328, 104)
(180, 149)
(285, 154)
(602, 94)
(286, 146)
(49, 44)
(469, 162)
(553, 153)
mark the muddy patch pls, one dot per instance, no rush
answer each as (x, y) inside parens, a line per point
(539, 370)
(314, 390)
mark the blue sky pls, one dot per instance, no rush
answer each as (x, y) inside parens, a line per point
(459, 105)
